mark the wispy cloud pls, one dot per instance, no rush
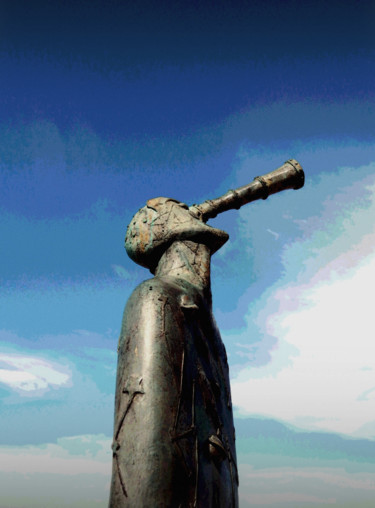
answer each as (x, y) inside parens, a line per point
(31, 374)
(61, 384)
(132, 276)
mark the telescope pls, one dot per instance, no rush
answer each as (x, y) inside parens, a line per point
(288, 176)
(153, 228)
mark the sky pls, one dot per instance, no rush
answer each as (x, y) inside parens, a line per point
(104, 105)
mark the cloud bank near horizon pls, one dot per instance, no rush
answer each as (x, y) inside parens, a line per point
(75, 471)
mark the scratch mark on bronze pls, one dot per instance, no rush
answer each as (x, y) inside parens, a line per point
(231, 463)
(186, 433)
(196, 448)
(235, 466)
(132, 391)
(122, 482)
(227, 389)
(163, 333)
(175, 439)
(180, 391)
(191, 430)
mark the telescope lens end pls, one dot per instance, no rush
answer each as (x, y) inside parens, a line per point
(300, 175)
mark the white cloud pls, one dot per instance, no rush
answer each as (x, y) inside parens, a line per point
(321, 374)
(31, 374)
(134, 276)
(121, 272)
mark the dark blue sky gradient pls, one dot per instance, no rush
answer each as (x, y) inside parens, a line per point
(126, 34)
(137, 69)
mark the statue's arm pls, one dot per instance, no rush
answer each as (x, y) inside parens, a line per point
(144, 458)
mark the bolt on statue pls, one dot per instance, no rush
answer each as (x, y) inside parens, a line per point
(174, 439)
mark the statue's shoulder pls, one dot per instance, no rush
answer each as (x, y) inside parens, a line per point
(151, 299)
(159, 288)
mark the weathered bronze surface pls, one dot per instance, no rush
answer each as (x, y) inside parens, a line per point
(174, 439)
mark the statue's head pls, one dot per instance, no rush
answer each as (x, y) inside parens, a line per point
(160, 223)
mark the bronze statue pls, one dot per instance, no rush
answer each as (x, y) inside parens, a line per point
(174, 439)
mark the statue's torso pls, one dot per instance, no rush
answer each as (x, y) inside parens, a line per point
(174, 435)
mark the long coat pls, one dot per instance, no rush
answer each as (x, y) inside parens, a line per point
(174, 442)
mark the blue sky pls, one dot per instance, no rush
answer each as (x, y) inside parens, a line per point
(104, 105)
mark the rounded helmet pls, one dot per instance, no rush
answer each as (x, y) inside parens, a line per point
(161, 222)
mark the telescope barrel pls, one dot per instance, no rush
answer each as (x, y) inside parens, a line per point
(288, 176)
